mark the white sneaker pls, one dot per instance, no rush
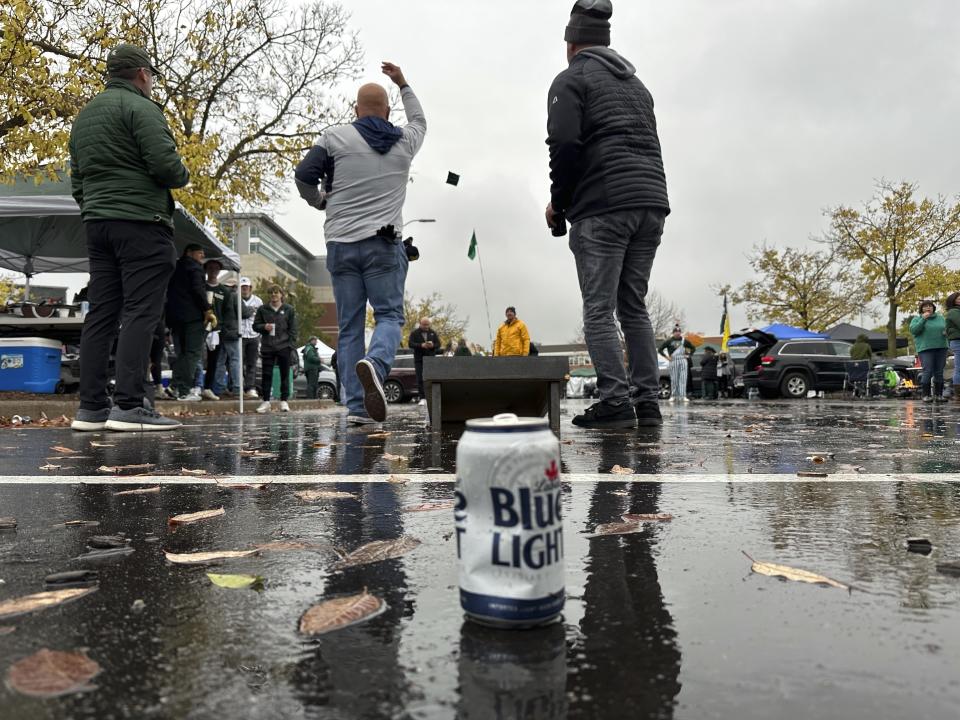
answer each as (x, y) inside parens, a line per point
(264, 407)
(284, 407)
(252, 394)
(360, 420)
(423, 401)
(207, 394)
(190, 397)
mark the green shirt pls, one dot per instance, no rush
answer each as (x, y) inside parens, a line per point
(953, 323)
(929, 334)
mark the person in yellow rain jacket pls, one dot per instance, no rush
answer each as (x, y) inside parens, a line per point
(512, 337)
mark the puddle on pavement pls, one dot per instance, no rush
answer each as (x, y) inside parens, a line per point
(668, 622)
(734, 437)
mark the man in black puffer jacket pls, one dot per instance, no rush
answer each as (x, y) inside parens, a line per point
(607, 178)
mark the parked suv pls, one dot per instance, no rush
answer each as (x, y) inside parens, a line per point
(792, 368)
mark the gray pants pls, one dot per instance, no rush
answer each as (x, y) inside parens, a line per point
(614, 254)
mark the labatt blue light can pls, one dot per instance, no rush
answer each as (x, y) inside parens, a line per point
(509, 522)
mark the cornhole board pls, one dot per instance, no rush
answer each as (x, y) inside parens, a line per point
(463, 388)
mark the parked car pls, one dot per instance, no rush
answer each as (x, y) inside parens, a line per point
(792, 368)
(326, 384)
(401, 383)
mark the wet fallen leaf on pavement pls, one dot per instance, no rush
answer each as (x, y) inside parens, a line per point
(922, 546)
(379, 550)
(951, 567)
(241, 486)
(395, 458)
(201, 558)
(236, 582)
(139, 491)
(188, 471)
(429, 506)
(78, 523)
(63, 450)
(616, 528)
(321, 444)
(785, 571)
(100, 444)
(196, 517)
(40, 601)
(379, 435)
(618, 470)
(104, 542)
(314, 495)
(340, 613)
(811, 474)
(52, 673)
(817, 459)
(117, 469)
(8, 523)
(49, 466)
(101, 554)
(398, 480)
(6, 629)
(647, 517)
(257, 454)
(71, 579)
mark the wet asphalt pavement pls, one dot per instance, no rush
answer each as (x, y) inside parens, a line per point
(666, 623)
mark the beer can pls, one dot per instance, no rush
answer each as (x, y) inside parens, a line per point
(508, 522)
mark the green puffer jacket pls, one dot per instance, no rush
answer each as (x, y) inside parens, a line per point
(123, 159)
(953, 323)
(930, 334)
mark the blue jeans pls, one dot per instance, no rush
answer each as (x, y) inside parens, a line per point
(375, 271)
(955, 347)
(932, 362)
(614, 255)
(228, 361)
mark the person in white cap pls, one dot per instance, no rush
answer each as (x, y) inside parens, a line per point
(249, 336)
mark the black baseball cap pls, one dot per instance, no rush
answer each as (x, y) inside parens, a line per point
(129, 57)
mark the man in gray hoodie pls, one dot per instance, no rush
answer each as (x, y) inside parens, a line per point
(607, 178)
(364, 168)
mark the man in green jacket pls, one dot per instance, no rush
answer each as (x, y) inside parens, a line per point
(311, 366)
(123, 164)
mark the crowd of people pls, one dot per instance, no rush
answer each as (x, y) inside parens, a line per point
(717, 369)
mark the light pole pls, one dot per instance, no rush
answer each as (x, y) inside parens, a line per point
(420, 220)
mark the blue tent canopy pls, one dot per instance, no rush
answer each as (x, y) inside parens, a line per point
(781, 332)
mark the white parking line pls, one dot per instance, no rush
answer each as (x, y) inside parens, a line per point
(442, 478)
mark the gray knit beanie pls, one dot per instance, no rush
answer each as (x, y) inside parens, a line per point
(589, 23)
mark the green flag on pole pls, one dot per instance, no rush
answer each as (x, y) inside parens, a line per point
(472, 251)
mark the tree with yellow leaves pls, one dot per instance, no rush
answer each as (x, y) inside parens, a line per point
(898, 241)
(247, 84)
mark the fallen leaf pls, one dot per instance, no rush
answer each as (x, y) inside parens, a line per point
(817, 459)
(105, 554)
(107, 541)
(566, 442)
(188, 471)
(241, 486)
(207, 557)
(314, 495)
(395, 458)
(8, 523)
(647, 517)
(49, 466)
(429, 506)
(236, 582)
(811, 474)
(257, 454)
(52, 673)
(196, 517)
(785, 571)
(339, 613)
(616, 528)
(379, 435)
(100, 444)
(398, 480)
(379, 550)
(40, 601)
(321, 445)
(117, 469)
(139, 491)
(63, 450)
(618, 470)
(79, 523)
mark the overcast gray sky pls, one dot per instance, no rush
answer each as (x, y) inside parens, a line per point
(768, 113)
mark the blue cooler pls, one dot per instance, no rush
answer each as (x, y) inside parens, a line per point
(29, 364)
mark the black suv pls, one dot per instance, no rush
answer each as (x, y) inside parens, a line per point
(791, 368)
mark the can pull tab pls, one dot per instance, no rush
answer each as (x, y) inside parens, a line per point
(506, 419)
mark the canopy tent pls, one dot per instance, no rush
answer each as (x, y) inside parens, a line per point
(780, 332)
(877, 340)
(41, 231)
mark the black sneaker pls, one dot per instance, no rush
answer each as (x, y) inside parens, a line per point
(374, 401)
(648, 413)
(602, 416)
